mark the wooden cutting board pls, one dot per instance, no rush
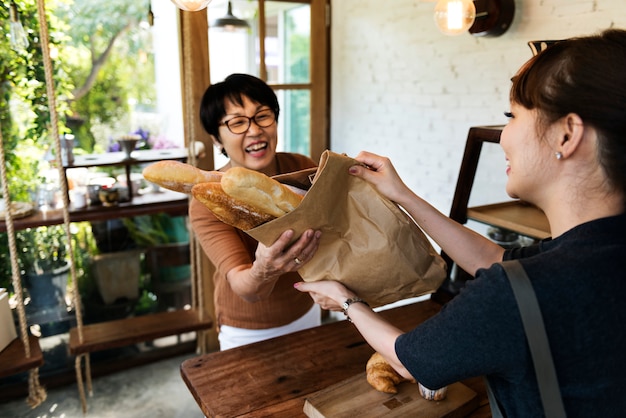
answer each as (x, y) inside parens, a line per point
(355, 397)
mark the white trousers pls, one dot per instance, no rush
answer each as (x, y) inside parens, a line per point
(231, 337)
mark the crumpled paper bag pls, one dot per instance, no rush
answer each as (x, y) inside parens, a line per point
(368, 243)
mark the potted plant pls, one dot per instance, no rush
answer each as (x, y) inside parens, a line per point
(108, 288)
(156, 233)
(159, 229)
(43, 261)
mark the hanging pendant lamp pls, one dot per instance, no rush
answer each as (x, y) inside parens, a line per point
(191, 5)
(229, 21)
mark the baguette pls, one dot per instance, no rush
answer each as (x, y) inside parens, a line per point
(228, 209)
(177, 176)
(259, 190)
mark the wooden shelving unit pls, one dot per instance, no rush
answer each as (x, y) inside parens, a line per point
(166, 201)
(120, 159)
(516, 216)
(128, 331)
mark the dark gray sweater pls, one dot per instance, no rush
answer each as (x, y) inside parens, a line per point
(580, 282)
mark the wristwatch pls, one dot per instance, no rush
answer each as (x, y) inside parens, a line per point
(349, 302)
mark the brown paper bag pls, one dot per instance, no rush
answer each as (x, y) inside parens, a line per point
(368, 243)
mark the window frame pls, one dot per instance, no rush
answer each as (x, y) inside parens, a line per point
(195, 75)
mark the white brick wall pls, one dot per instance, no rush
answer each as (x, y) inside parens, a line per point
(402, 89)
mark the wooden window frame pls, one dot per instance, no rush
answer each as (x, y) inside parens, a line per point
(195, 75)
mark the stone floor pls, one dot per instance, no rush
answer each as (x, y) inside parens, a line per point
(155, 390)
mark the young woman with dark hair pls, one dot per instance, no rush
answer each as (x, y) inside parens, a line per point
(565, 149)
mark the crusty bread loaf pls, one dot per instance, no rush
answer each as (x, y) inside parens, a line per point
(259, 190)
(178, 176)
(381, 376)
(228, 209)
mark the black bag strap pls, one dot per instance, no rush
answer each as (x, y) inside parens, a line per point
(537, 341)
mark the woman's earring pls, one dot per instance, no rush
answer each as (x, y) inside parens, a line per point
(558, 155)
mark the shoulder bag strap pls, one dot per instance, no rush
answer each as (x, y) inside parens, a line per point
(537, 339)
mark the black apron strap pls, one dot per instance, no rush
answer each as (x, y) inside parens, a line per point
(493, 403)
(537, 341)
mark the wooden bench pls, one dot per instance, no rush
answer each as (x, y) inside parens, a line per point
(14, 361)
(128, 331)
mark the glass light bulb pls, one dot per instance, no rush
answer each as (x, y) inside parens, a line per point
(454, 17)
(19, 40)
(191, 5)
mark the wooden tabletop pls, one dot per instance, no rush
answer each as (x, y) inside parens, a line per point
(272, 378)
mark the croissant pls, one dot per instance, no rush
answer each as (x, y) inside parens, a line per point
(381, 376)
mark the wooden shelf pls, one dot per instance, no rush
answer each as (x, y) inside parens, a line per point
(13, 360)
(138, 157)
(167, 201)
(128, 331)
(119, 158)
(516, 216)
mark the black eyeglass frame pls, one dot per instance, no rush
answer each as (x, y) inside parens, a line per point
(263, 124)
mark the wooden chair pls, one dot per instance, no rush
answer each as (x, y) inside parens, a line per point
(169, 268)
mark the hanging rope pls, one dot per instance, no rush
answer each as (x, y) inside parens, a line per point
(197, 290)
(54, 126)
(36, 393)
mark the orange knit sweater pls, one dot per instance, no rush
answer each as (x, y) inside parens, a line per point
(228, 247)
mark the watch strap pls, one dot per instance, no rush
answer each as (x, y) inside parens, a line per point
(349, 302)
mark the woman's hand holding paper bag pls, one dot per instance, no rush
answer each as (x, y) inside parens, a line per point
(367, 242)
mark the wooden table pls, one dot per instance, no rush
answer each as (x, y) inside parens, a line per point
(272, 378)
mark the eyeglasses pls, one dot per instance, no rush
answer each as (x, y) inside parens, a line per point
(240, 124)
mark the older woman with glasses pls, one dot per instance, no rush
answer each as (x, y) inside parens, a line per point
(254, 295)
